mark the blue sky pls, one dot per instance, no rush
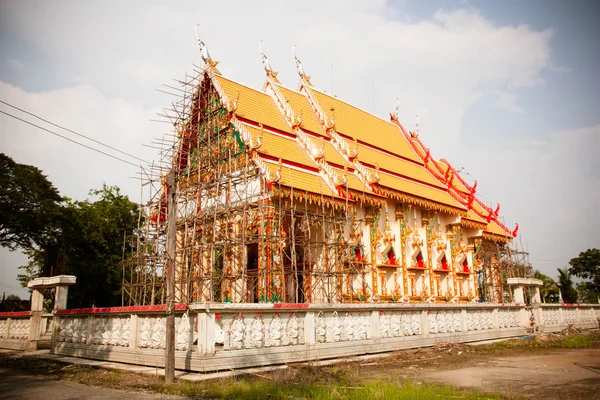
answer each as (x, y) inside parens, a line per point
(508, 90)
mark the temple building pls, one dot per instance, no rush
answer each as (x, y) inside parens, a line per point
(291, 195)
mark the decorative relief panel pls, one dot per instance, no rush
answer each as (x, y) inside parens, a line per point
(183, 332)
(586, 315)
(479, 320)
(152, 333)
(551, 316)
(395, 324)
(444, 321)
(111, 331)
(3, 326)
(333, 328)
(73, 330)
(569, 316)
(508, 318)
(255, 331)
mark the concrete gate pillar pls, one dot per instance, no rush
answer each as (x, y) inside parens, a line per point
(519, 284)
(518, 295)
(38, 285)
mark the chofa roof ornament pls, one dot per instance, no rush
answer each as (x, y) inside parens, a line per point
(300, 69)
(267, 64)
(211, 64)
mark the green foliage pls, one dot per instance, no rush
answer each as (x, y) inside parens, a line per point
(30, 209)
(549, 290)
(13, 297)
(587, 266)
(89, 245)
(565, 284)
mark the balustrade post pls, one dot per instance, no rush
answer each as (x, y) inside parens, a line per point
(495, 321)
(425, 323)
(538, 314)
(90, 329)
(56, 321)
(206, 332)
(374, 325)
(463, 320)
(561, 317)
(8, 326)
(310, 338)
(523, 317)
(134, 331)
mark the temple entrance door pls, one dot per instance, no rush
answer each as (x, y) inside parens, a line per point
(252, 273)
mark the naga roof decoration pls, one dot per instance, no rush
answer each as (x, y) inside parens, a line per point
(306, 140)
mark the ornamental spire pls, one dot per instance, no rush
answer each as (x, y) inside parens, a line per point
(300, 68)
(211, 64)
(265, 60)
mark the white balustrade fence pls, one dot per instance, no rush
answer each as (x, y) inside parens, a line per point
(211, 337)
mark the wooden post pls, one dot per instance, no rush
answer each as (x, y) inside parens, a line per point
(171, 249)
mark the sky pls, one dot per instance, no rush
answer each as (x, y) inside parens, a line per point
(508, 92)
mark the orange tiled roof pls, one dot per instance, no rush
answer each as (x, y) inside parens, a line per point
(253, 104)
(383, 144)
(366, 127)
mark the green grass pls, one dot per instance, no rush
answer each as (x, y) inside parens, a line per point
(578, 341)
(262, 389)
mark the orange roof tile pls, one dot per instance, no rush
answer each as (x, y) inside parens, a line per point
(303, 180)
(419, 190)
(279, 146)
(397, 165)
(253, 104)
(361, 125)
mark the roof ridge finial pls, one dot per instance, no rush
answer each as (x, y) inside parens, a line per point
(394, 115)
(208, 61)
(266, 63)
(300, 68)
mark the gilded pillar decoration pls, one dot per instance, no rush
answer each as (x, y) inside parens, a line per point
(477, 263)
(428, 222)
(396, 292)
(402, 213)
(417, 243)
(375, 239)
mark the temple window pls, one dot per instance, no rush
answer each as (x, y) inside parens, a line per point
(358, 253)
(419, 260)
(465, 265)
(391, 257)
(444, 263)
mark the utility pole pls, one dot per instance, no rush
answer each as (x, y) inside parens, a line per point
(171, 249)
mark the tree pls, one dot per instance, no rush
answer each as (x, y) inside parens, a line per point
(549, 289)
(30, 206)
(565, 284)
(96, 246)
(89, 245)
(13, 297)
(587, 266)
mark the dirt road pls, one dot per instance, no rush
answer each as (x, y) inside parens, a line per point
(20, 386)
(566, 374)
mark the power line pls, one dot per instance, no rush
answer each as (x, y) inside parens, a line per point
(11, 287)
(72, 131)
(70, 140)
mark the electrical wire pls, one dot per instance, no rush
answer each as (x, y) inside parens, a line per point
(72, 131)
(70, 140)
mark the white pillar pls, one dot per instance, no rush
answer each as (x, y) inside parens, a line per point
(536, 298)
(310, 338)
(518, 295)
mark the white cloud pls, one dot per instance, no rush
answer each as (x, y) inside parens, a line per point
(552, 188)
